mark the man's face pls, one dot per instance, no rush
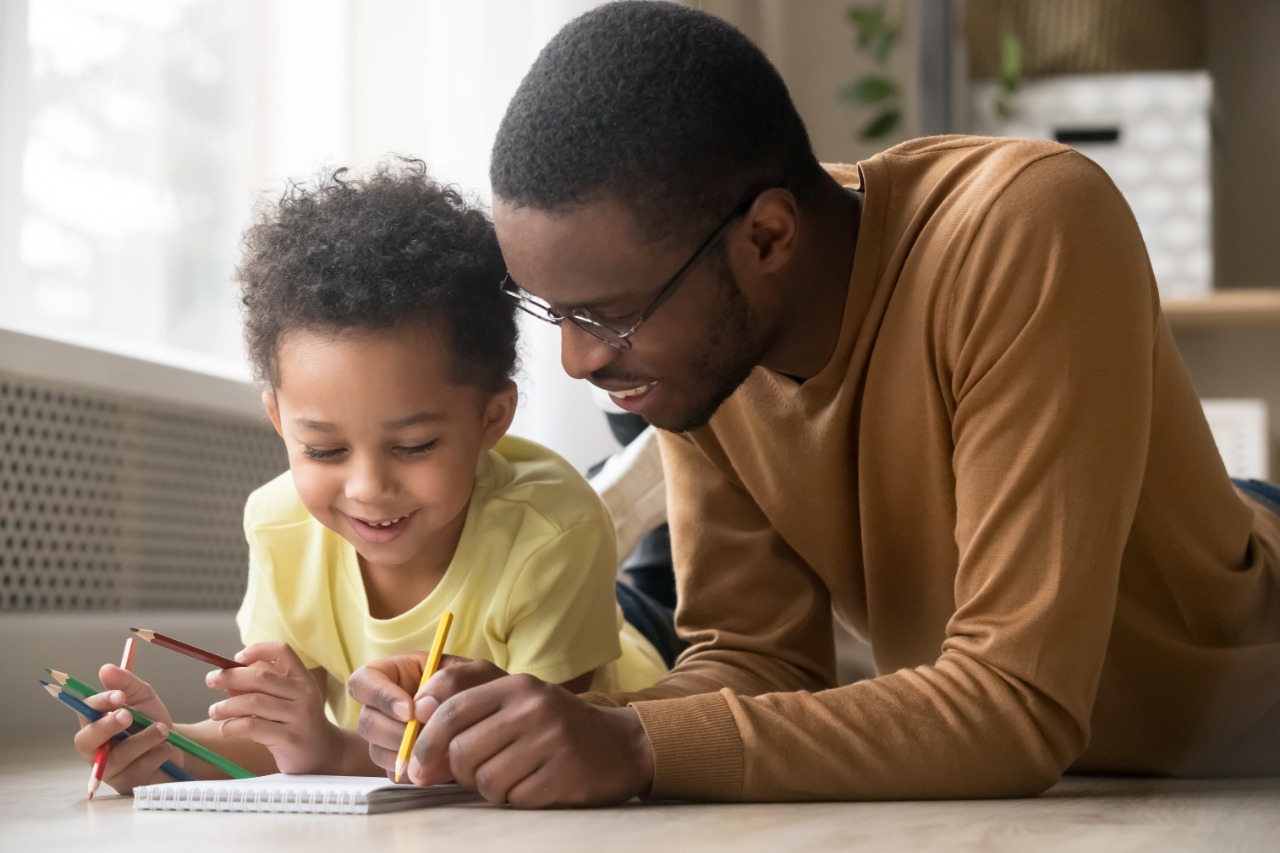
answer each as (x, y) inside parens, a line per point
(687, 358)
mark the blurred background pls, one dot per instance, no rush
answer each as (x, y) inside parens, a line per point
(136, 135)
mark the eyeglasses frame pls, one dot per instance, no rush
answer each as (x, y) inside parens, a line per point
(535, 307)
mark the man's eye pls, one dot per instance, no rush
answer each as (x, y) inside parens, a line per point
(317, 453)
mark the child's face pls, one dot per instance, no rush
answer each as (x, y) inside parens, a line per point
(382, 442)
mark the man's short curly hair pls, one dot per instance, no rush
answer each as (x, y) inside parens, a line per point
(669, 110)
(373, 253)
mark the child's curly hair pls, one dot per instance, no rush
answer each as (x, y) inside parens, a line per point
(371, 253)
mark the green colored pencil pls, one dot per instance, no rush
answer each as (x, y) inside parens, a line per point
(182, 742)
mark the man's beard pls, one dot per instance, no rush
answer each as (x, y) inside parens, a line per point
(731, 353)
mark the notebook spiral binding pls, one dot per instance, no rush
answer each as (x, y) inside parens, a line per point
(246, 800)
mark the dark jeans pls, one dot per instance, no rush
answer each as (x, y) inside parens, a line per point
(1267, 493)
(653, 620)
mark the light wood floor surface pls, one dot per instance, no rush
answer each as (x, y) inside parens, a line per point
(43, 808)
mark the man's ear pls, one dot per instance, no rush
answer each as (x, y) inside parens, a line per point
(273, 410)
(498, 414)
(773, 227)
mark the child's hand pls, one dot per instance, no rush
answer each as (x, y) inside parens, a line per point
(276, 702)
(135, 760)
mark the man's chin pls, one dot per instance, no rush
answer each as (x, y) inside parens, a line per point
(682, 422)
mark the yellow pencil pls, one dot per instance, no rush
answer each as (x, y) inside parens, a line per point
(412, 727)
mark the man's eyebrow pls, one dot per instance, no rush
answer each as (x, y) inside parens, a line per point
(411, 420)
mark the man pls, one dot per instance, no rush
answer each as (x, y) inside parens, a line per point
(933, 392)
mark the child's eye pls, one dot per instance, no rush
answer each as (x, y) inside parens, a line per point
(417, 449)
(317, 453)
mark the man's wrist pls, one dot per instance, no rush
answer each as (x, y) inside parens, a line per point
(639, 748)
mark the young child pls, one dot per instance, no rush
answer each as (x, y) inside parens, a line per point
(374, 320)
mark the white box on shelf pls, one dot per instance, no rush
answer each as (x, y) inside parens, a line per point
(1239, 428)
(1150, 132)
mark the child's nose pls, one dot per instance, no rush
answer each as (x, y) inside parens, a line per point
(368, 480)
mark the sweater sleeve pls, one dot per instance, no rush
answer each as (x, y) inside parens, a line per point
(1047, 352)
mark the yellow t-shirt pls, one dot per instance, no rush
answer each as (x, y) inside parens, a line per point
(531, 585)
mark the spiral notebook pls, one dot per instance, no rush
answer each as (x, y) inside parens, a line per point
(279, 792)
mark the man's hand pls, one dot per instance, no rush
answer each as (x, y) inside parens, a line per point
(513, 738)
(385, 690)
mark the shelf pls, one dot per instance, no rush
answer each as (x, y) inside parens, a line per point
(1230, 308)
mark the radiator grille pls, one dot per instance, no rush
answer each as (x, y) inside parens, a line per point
(109, 502)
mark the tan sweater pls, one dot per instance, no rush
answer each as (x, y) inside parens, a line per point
(1004, 482)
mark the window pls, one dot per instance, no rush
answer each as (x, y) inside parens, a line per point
(138, 134)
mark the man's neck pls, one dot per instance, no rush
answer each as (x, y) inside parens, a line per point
(817, 282)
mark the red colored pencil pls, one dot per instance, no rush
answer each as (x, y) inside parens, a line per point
(185, 648)
(100, 757)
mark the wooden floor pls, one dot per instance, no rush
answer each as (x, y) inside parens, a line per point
(43, 807)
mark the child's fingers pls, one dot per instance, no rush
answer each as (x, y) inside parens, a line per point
(260, 678)
(137, 759)
(280, 656)
(106, 701)
(93, 734)
(260, 705)
(126, 752)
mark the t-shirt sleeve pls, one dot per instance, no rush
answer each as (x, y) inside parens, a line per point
(562, 609)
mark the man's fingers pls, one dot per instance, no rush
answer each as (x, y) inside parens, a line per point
(462, 711)
(459, 676)
(379, 729)
(484, 757)
(380, 685)
(383, 757)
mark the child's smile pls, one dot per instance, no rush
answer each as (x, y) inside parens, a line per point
(380, 531)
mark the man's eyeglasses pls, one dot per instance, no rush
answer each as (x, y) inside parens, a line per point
(581, 318)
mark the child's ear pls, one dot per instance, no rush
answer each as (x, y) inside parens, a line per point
(273, 410)
(498, 414)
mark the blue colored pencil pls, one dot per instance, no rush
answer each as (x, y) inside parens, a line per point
(78, 705)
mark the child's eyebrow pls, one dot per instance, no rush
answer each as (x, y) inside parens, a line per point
(411, 420)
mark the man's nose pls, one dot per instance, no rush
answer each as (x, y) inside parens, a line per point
(582, 353)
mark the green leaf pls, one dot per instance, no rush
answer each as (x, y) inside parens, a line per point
(869, 90)
(883, 43)
(1010, 61)
(882, 125)
(868, 23)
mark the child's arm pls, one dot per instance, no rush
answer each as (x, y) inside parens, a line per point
(275, 714)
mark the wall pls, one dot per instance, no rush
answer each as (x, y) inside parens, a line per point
(812, 46)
